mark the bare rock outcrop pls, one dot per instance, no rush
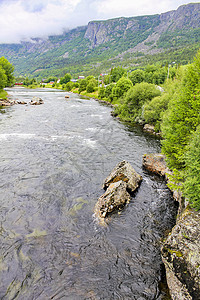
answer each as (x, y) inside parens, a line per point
(181, 257)
(181, 250)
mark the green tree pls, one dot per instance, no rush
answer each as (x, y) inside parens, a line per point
(117, 73)
(154, 110)
(122, 86)
(137, 76)
(101, 92)
(65, 79)
(192, 171)
(82, 85)
(3, 78)
(137, 96)
(108, 90)
(181, 118)
(92, 83)
(9, 70)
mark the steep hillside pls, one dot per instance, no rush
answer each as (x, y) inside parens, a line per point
(171, 36)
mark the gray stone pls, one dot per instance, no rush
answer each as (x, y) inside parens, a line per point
(181, 257)
(115, 197)
(36, 101)
(125, 172)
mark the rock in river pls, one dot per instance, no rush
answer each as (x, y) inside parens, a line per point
(36, 101)
(115, 197)
(122, 181)
(125, 172)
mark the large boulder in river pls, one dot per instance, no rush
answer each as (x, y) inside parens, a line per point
(115, 197)
(122, 181)
(125, 172)
(36, 101)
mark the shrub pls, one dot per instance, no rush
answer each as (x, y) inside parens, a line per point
(137, 96)
(192, 171)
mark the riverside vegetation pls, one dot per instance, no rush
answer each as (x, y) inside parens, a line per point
(167, 97)
(137, 97)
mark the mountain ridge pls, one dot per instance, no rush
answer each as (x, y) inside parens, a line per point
(103, 44)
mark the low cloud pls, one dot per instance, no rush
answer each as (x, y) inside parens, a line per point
(25, 19)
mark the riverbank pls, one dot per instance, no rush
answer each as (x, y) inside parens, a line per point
(181, 249)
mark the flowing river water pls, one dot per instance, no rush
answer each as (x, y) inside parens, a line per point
(54, 158)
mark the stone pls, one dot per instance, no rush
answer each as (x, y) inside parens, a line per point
(115, 197)
(149, 128)
(21, 102)
(36, 101)
(155, 163)
(181, 257)
(125, 172)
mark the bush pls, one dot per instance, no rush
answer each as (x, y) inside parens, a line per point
(137, 96)
(82, 85)
(122, 86)
(92, 83)
(101, 92)
(154, 110)
(137, 76)
(192, 171)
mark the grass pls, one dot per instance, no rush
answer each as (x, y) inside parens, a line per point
(3, 94)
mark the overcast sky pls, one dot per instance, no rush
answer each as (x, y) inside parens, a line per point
(24, 19)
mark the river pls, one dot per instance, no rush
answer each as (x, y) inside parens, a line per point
(54, 158)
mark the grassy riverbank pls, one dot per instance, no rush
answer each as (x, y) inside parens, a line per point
(3, 94)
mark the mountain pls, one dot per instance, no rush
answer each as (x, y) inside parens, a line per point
(101, 45)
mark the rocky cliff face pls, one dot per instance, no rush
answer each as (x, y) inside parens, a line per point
(108, 41)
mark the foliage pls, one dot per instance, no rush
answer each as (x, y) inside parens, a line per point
(117, 73)
(65, 79)
(108, 90)
(181, 118)
(69, 86)
(101, 92)
(51, 78)
(136, 97)
(137, 76)
(9, 70)
(154, 109)
(82, 85)
(3, 78)
(122, 86)
(192, 170)
(29, 82)
(92, 83)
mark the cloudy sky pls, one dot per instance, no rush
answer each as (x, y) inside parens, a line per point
(24, 19)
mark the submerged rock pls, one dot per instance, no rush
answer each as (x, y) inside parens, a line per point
(181, 257)
(125, 172)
